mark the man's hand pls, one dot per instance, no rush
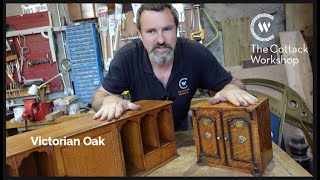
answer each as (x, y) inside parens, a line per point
(234, 95)
(113, 106)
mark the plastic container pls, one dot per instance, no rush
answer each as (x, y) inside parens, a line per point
(73, 109)
(17, 112)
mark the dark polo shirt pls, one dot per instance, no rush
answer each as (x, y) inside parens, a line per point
(194, 66)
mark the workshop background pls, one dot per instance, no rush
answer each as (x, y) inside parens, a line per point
(224, 29)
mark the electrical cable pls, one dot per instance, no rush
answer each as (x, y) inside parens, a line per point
(212, 24)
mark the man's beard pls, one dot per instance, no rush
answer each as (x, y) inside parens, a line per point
(161, 58)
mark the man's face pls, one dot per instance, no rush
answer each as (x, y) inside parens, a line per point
(158, 35)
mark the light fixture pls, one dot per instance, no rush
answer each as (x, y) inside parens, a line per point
(33, 90)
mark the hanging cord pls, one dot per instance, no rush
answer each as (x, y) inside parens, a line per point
(212, 24)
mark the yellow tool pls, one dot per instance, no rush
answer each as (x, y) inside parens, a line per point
(197, 35)
(125, 95)
(9, 73)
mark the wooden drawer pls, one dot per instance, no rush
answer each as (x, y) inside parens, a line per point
(152, 159)
(160, 155)
(169, 151)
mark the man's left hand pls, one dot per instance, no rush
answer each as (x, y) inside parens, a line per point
(234, 95)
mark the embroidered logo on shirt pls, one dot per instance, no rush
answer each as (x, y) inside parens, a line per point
(183, 83)
(184, 86)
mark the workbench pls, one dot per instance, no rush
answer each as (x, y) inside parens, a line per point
(11, 124)
(13, 127)
(186, 164)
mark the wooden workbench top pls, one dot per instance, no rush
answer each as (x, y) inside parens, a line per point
(186, 164)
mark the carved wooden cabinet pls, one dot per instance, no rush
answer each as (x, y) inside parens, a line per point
(233, 137)
(134, 145)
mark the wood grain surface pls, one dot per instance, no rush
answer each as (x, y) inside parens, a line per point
(235, 137)
(136, 144)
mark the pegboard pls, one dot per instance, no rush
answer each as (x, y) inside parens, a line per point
(39, 48)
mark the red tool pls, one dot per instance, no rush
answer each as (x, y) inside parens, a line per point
(36, 109)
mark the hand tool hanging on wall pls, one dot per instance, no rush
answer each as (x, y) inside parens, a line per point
(9, 73)
(23, 50)
(181, 30)
(118, 18)
(10, 39)
(66, 65)
(192, 20)
(129, 38)
(8, 48)
(12, 46)
(135, 8)
(40, 61)
(199, 34)
(103, 26)
(123, 23)
(116, 39)
(181, 14)
(111, 31)
(67, 91)
(18, 70)
(61, 33)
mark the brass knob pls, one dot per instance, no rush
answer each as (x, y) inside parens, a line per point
(207, 135)
(241, 139)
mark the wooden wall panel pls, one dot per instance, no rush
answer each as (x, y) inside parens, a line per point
(299, 17)
(299, 75)
(236, 38)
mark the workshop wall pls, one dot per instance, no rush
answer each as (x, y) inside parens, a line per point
(216, 11)
(13, 9)
(221, 11)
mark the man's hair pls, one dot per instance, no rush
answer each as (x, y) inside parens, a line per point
(156, 7)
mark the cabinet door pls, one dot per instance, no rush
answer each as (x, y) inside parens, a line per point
(208, 134)
(239, 140)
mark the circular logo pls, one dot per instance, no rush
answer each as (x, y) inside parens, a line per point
(263, 25)
(183, 83)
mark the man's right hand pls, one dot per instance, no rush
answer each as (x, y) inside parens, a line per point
(113, 106)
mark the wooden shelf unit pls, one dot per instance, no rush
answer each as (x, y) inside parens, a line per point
(136, 144)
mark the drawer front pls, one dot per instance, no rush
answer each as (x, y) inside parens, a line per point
(152, 159)
(169, 151)
(160, 155)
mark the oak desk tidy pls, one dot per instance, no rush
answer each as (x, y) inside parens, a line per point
(233, 137)
(134, 145)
